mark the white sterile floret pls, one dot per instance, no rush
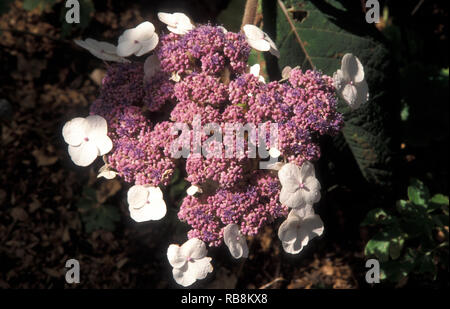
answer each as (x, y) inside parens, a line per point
(235, 241)
(146, 203)
(102, 50)
(105, 172)
(259, 40)
(192, 190)
(151, 67)
(301, 226)
(138, 41)
(189, 261)
(177, 23)
(254, 70)
(87, 139)
(350, 82)
(299, 186)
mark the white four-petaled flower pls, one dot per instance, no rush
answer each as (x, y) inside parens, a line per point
(102, 50)
(189, 261)
(235, 241)
(300, 186)
(146, 203)
(259, 40)
(87, 139)
(301, 226)
(177, 23)
(350, 82)
(138, 41)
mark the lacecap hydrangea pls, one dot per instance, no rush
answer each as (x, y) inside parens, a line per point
(198, 75)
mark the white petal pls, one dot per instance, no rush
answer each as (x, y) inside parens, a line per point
(176, 259)
(192, 271)
(103, 143)
(144, 31)
(84, 154)
(302, 212)
(362, 94)
(74, 131)
(254, 69)
(235, 241)
(313, 225)
(292, 199)
(288, 229)
(290, 177)
(192, 190)
(352, 68)
(151, 66)
(194, 248)
(96, 126)
(137, 196)
(167, 18)
(148, 45)
(223, 29)
(286, 72)
(338, 80)
(180, 276)
(260, 44)
(273, 48)
(311, 192)
(252, 32)
(199, 268)
(154, 210)
(349, 94)
(155, 193)
(127, 48)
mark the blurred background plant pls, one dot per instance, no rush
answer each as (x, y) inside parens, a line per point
(413, 239)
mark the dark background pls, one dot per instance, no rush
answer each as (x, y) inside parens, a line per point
(46, 80)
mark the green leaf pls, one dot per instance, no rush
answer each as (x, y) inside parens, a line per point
(407, 208)
(418, 193)
(439, 199)
(396, 270)
(426, 265)
(316, 34)
(396, 246)
(378, 216)
(377, 248)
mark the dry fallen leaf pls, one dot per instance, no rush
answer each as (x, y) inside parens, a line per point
(19, 214)
(43, 159)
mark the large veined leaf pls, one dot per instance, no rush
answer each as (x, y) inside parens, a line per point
(316, 34)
